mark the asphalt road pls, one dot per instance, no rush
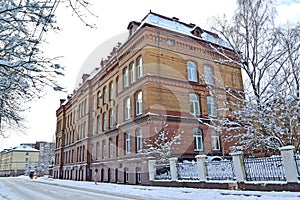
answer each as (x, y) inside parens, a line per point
(24, 189)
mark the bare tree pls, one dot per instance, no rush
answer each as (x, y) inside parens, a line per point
(262, 53)
(161, 144)
(24, 69)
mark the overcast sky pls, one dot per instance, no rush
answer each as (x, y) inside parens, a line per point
(78, 44)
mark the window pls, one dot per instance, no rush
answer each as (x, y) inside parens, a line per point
(215, 142)
(127, 109)
(192, 71)
(198, 143)
(211, 106)
(93, 152)
(126, 175)
(132, 72)
(138, 175)
(194, 105)
(127, 143)
(139, 103)
(111, 90)
(97, 151)
(111, 146)
(103, 149)
(98, 99)
(208, 75)
(139, 140)
(104, 122)
(104, 95)
(117, 114)
(111, 118)
(125, 78)
(140, 67)
(117, 86)
(98, 125)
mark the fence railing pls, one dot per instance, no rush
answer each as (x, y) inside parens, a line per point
(162, 172)
(187, 171)
(220, 170)
(264, 169)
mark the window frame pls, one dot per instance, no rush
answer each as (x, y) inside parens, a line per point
(127, 143)
(104, 122)
(139, 140)
(216, 146)
(139, 103)
(198, 136)
(127, 109)
(125, 78)
(211, 106)
(195, 104)
(132, 72)
(208, 75)
(192, 71)
(140, 67)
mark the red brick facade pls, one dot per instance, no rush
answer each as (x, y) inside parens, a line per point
(96, 124)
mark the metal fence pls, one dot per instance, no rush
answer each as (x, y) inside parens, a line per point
(187, 171)
(264, 169)
(297, 160)
(220, 170)
(162, 172)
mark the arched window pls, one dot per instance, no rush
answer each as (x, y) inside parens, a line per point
(194, 105)
(132, 72)
(111, 146)
(125, 78)
(104, 95)
(192, 71)
(140, 67)
(139, 140)
(127, 143)
(103, 149)
(211, 106)
(139, 103)
(198, 139)
(111, 90)
(98, 124)
(208, 75)
(127, 109)
(111, 118)
(104, 122)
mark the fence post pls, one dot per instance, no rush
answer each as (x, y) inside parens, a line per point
(151, 168)
(173, 168)
(201, 167)
(238, 166)
(289, 163)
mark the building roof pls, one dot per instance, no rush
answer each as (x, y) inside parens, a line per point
(23, 148)
(175, 25)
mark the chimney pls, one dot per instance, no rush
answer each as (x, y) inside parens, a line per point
(84, 77)
(62, 101)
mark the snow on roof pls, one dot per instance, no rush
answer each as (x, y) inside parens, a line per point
(24, 148)
(175, 25)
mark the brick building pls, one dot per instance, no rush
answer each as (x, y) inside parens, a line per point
(165, 73)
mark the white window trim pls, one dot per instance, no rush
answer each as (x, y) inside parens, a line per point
(139, 103)
(140, 67)
(127, 143)
(196, 139)
(192, 71)
(195, 103)
(215, 143)
(211, 106)
(132, 72)
(139, 140)
(208, 75)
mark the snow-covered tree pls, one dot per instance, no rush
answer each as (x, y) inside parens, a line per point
(262, 51)
(161, 144)
(24, 69)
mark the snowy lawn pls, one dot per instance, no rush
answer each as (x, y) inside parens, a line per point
(175, 193)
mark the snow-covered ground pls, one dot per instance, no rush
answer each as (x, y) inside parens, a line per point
(175, 193)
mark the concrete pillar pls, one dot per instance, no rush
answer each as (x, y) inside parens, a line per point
(173, 169)
(238, 166)
(289, 163)
(151, 168)
(201, 167)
